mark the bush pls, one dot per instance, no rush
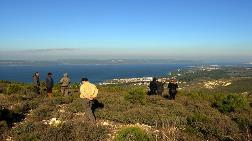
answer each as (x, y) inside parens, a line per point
(230, 103)
(24, 107)
(69, 131)
(201, 125)
(77, 131)
(135, 96)
(28, 131)
(132, 134)
(43, 112)
(243, 122)
(13, 88)
(76, 106)
(61, 100)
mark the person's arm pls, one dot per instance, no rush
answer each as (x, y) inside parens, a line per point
(61, 81)
(52, 82)
(95, 93)
(82, 92)
(47, 82)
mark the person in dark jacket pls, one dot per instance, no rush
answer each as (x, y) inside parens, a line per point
(49, 84)
(36, 83)
(172, 86)
(153, 87)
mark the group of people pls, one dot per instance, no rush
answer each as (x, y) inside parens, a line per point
(49, 83)
(88, 91)
(157, 87)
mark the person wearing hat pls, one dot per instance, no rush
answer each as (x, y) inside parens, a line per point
(88, 93)
(65, 82)
(172, 86)
(49, 84)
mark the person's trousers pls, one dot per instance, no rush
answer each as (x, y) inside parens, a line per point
(87, 104)
(36, 90)
(173, 95)
(64, 90)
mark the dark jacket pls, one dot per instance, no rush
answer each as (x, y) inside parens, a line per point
(153, 86)
(49, 82)
(172, 88)
(36, 82)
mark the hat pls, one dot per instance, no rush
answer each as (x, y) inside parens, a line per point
(84, 79)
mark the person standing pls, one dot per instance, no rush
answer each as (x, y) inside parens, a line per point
(160, 87)
(49, 84)
(153, 87)
(88, 92)
(172, 86)
(65, 82)
(36, 83)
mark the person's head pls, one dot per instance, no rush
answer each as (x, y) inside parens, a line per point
(49, 74)
(83, 80)
(154, 79)
(173, 80)
(65, 75)
(36, 74)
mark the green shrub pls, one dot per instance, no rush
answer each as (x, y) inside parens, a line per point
(230, 103)
(201, 125)
(132, 134)
(25, 106)
(13, 88)
(78, 131)
(61, 100)
(243, 122)
(76, 106)
(28, 131)
(43, 112)
(137, 95)
(196, 118)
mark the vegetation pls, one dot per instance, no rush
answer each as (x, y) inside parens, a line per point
(136, 96)
(132, 134)
(222, 113)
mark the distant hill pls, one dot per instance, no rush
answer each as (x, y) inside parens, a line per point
(95, 61)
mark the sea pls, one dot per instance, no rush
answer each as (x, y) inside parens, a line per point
(96, 73)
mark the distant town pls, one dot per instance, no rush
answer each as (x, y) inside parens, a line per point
(164, 79)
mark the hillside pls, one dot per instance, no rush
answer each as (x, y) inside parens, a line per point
(124, 112)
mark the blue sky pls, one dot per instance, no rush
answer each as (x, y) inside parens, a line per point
(188, 29)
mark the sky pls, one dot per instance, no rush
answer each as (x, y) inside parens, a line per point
(97, 29)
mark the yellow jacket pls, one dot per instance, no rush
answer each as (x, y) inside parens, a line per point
(88, 90)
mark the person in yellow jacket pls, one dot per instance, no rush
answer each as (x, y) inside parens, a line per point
(88, 93)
